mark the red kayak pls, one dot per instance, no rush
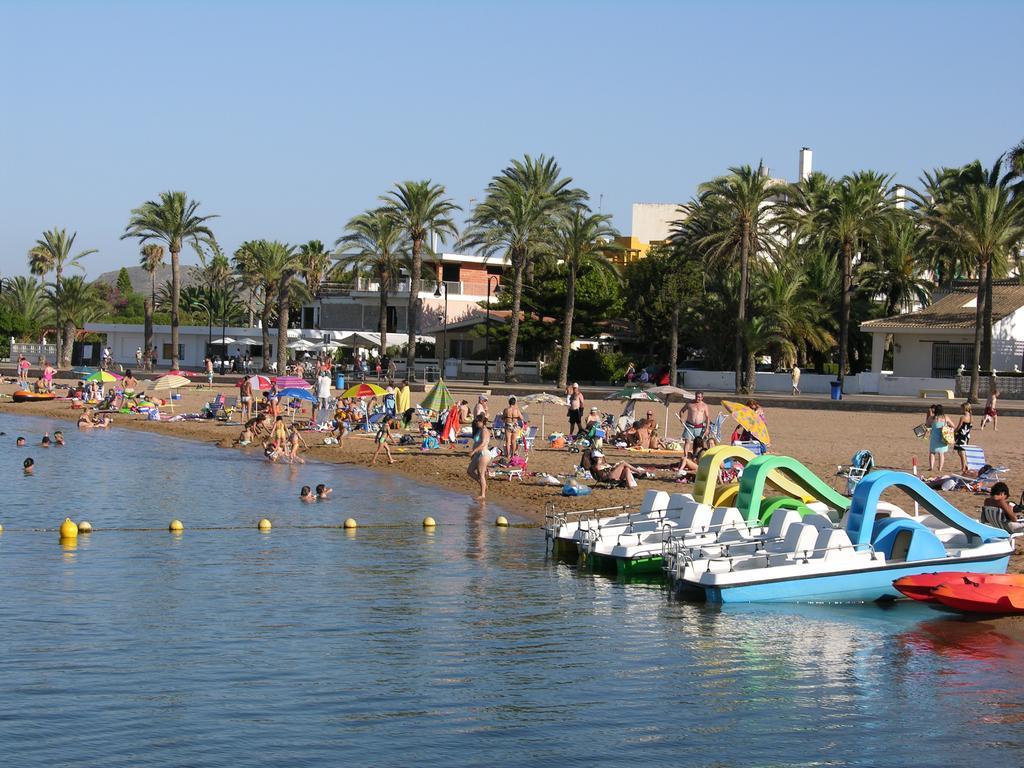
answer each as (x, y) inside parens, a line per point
(976, 597)
(921, 586)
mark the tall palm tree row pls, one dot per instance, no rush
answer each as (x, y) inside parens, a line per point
(80, 304)
(582, 241)
(52, 253)
(25, 300)
(375, 243)
(172, 220)
(518, 219)
(316, 264)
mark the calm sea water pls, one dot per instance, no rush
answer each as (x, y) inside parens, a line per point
(392, 646)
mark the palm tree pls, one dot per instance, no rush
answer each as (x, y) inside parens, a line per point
(737, 208)
(214, 274)
(759, 335)
(316, 265)
(25, 300)
(895, 271)
(852, 212)
(518, 218)
(80, 304)
(787, 305)
(421, 209)
(151, 258)
(173, 220)
(52, 253)
(581, 242)
(276, 264)
(988, 220)
(374, 244)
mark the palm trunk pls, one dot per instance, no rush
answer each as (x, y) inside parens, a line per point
(570, 307)
(751, 373)
(282, 323)
(742, 314)
(413, 313)
(64, 353)
(844, 310)
(175, 299)
(513, 324)
(265, 314)
(149, 309)
(979, 318)
(986, 328)
(57, 335)
(382, 322)
(673, 340)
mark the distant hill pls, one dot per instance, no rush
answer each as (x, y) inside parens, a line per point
(140, 277)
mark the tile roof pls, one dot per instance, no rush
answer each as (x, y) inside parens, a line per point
(956, 309)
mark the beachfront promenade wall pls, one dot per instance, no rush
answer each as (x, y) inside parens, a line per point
(862, 383)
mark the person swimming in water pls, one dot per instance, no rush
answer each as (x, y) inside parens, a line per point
(58, 437)
(306, 494)
(322, 492)
(20, 442)
(45, 442)
(29, 465)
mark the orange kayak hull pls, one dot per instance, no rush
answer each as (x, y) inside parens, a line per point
(985, 598)
(921, 586)
(24, 396)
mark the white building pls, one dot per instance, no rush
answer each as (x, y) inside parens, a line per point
(935, 341)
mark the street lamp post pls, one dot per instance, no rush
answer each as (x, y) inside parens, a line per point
(487, 343)
(444, 335)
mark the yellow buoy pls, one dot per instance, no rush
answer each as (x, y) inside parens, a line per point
(264, 524)
(1, 529)
(175, 526)
(429, 522)
(351, 523)
(68, 529)
(85, 527)
(501, 522)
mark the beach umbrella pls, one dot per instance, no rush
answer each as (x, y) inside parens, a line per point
(438, 398)
(631, 393)
(749, 420)
(298, 394)
(363, 389)
(301, 344)
(543, 398)
(106, 377)
(248, 342)
(171, 381)
(83, 370)
(283, 382)
(225, 340)
(257, 382)
(670, 394)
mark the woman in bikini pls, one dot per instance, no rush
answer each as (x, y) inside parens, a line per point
(480, 456)
(513, 419)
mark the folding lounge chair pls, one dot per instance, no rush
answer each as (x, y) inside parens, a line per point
(976, 462)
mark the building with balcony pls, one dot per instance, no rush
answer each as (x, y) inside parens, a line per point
(460, 282)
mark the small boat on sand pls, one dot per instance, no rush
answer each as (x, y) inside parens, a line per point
(986, 597)
(25, 396)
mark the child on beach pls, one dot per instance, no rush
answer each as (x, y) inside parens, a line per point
(382, 438)
(962, 435)
(294, 441)
(270, 451)
(990, 412)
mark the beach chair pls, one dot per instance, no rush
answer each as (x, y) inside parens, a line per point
(986, 473)
(861, 463)
(215, 406)
(754, 446)
(529, 437)
(715, 427)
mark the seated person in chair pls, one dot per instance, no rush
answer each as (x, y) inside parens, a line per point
(622, 473)
(997, 510)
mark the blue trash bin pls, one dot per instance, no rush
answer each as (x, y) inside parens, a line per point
(836, 388)
(340, 381)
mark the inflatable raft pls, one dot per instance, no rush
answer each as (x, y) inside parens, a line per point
(25, 396)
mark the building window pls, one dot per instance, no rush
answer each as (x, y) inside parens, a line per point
(460, 348)
(495, 271)
(451, 273)
(165, 351)
(947, 358)
(392, 321)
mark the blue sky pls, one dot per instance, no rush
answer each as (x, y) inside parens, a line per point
(288, 118)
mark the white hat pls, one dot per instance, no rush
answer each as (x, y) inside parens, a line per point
(596, 454)
(482, 398)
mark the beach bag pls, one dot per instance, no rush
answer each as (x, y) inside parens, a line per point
(558, 442)
(517, 461)
(575, 490)
(429, 443)
(947, 434)
(920, 431)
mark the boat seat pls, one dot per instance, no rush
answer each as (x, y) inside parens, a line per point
(692, 514)
(821, 522)
(780, 523)
(831, 544)
(724, 518)
(799, 538)
(655, 502)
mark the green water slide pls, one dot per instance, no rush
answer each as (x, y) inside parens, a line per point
(759, 471)
(707, 491)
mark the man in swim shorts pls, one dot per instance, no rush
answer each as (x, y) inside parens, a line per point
(694, 417)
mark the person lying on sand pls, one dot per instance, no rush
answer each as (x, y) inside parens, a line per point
(622, 473)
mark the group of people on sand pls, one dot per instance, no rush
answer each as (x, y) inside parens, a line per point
(281, 440)
(943, 435)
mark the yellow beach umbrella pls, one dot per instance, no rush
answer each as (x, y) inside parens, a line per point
(749, 420)
(364, 389)
(170, 381)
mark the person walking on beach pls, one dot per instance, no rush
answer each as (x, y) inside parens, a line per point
(138, 358)
(480, 409)
(794, 380)
(990, 412)
(694, 417)
(209, 372)
(382, 438)
(294, 442)
(245, 397)
(480, 456)
(576, 404)
(323, 394)
(937, 445)
(513, 418)
(962, 436)
(23, 366)
(48, 376)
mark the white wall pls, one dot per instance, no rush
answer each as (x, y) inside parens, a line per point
(812, 383)
(652, 221)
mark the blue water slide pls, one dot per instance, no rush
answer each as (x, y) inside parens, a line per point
(860, 520)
